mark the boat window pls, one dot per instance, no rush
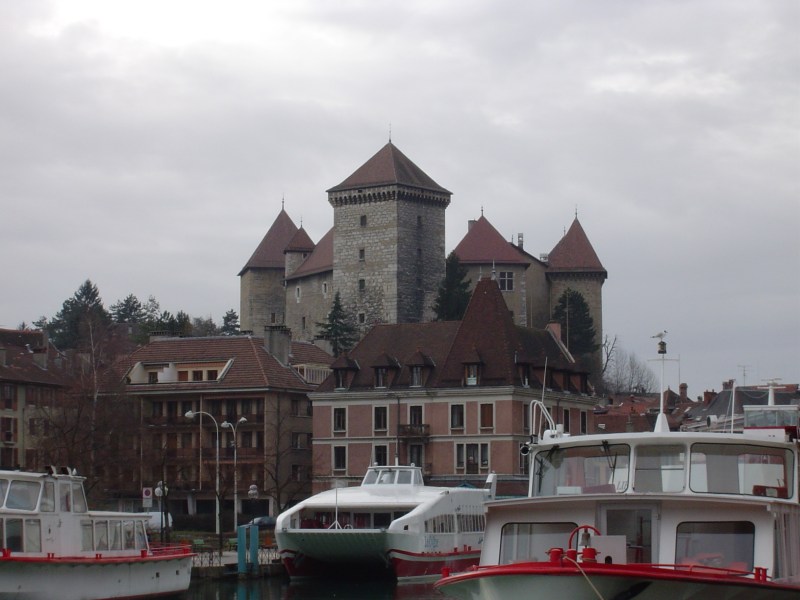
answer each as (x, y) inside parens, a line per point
(141, 536)
(371, 477)
(440, 524)
(87, 531)
(471, 522)
(78, 499)
(101, 535)
(727, 545)
(3, 488)
(530, 541)
(595, 469)
(23, 495)
(362, 520)
(659, 469)
(33, 535)
(386, 477)
(48, 501)
(64, 503)
(404, 477)
(115, 535)
(746, 469)
(382, 520)
(14, 535)
(127, 530)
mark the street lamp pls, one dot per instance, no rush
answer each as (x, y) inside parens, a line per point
(161, 490)
(190, 415)
(232, 427)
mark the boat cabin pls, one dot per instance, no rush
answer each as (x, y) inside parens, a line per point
(393, 476)
(48, 514)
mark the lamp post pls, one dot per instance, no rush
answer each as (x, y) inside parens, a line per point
(190, 415)
(232, 427)
(161, 490)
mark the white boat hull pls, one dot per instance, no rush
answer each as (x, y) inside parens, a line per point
(518, 582)
(28, 578)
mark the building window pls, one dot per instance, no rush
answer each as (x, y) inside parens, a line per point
(487, 416)
(416, 376)
(211, 374)
(303, 323)
(341, 378)
(584, 422)
(456, 416)
(297, 293)
(362, 285)
(566, 420)
(183, 375)
(152, 377)
(382, 455)
(362, 318)
(363, 220)
(419, 220)
(381, 418)
(197, 375)
(506, 281)
(472, 457)
(419, 253)
(339, 419)
(415, 415)
(297, 473)
(415, 454)
(380, 377)
(472, 374)
(339, 458)
(361, 254)
(525, 375)
(297, 440)
(325, 289)
(272, 318)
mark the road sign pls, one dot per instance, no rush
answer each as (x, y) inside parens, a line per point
(147, 497)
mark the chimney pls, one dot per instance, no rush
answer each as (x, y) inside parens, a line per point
(554, 327)
(470, 223)
(520, 241)
(278, 342)
(683, 391)
(708, 397)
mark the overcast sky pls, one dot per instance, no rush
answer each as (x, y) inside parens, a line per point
(148, 145)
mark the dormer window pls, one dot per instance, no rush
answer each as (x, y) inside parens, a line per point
(471, 374)
(341, 378)
(152, 377)
(416, 376)
(381, 376)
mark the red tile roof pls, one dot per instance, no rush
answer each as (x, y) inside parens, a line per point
(486, 334)
(574, 252)
(269, 253)
(319, 261)
(252, 366)
(387, 167)
(483, 244)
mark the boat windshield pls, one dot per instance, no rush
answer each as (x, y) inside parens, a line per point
(746, 469)
(595, 469)
(387, 475)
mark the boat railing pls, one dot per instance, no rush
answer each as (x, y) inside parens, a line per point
(170, 549)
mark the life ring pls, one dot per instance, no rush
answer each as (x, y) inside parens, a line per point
(579, 528)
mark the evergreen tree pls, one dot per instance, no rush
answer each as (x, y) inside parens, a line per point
(85, 306)
(453, 295)
(338, 329)
(129, 310)
(230, 323)
(577, 325)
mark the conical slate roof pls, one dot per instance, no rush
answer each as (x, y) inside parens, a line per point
(574, 252)
(484, 244)
(300, 242)
(269, 253)
(389, 166)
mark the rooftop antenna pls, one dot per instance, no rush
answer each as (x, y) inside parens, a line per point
(744, 374)
(576, 212)
(390, 132)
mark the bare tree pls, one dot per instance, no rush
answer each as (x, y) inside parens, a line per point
(288, 464)
(626, 374)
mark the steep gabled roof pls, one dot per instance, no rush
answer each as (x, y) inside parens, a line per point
(388, 166)
(574, 252)
(483, 244)
(319, 261)
(300, 242)
(252, 367)
(269, 253)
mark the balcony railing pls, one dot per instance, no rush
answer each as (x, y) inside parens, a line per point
(414, 432)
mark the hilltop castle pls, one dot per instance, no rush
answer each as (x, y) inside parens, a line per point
(385, 255)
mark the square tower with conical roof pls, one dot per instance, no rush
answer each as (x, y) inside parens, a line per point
(389, 240)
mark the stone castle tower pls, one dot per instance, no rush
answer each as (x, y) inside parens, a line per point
(385, 254)
(388, 241)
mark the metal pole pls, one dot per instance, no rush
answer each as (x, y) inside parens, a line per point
(190, 415)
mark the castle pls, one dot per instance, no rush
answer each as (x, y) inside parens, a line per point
(385, 256)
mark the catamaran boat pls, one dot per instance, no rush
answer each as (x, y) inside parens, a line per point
(391, 525)
(52, 546)
(651, 516)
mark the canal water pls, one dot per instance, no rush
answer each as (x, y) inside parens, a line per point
(277, 588)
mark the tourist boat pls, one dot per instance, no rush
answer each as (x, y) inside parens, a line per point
(651, 516)
(391, 525)
(52, 546)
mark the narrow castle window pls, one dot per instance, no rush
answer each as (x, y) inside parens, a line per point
(506, 281)
(361, 254)
(363, 220)
(362, 285)
(362, 318)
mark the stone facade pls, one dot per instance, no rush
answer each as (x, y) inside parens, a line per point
(262, 299)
